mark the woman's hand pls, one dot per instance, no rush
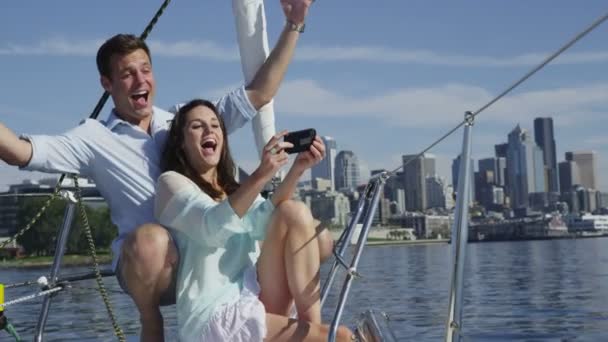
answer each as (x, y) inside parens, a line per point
(312, 157)
(274, 156)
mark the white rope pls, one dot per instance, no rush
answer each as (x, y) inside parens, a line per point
(32, 296)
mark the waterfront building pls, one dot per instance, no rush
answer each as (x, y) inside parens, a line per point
(326, 167)
(415, 171)
(329, 207)
(544, 138)
(568, 175)
(602, 199)
(449, 196)
(588, 222)
(487, 167)
(525, 168)
(435, 189)
(500, 151)
(586, 161)
(455, 175)
(424, 226)
(347, 171)
(10, 205)
(321, 184)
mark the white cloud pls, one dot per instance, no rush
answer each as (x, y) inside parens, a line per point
(444, 104)
(59, 46)
(12, 175)
(54, 46)
(211, 50)
(379, 54)
(598, 141)
(200, 49)
(405, 106)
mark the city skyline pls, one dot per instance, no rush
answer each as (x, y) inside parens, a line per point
(382, 90)
(442, 168)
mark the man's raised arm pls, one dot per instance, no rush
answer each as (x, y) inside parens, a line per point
(14, 151)
(266, 82)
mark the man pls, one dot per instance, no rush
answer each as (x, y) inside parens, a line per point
(122, 156)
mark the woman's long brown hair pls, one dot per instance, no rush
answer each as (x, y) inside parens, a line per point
(174, 157)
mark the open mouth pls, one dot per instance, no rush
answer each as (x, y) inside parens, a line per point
(140, 98)
(209, 146)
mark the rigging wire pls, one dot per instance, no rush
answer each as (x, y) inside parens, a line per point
(99, 106)
(471, 115)
(30, 297)
(104, 97)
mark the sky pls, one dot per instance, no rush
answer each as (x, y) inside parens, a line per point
(384, 78)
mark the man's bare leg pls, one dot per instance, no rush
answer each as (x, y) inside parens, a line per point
(148, 262)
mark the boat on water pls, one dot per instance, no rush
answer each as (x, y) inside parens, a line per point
(373, 324)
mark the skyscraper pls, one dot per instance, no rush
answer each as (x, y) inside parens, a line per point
(326, 168)
(415, 173)
(544, 138)
(501, 164)
(455, 175)
(524, 167)
(488, 166)
(568, 175)
(347, 171)
(435, 189)
(587, 167)
(501, 171)
(501, 150)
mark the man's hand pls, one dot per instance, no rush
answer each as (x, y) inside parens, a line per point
(296, 10)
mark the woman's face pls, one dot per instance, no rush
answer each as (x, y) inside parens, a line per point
(203, 139)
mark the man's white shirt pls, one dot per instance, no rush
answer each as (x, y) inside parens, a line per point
(122, 159)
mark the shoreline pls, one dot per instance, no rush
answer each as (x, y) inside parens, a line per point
(67, 261)
(406, 242)
(542, 238)
(106, 259)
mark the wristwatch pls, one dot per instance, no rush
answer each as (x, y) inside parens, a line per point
(295, 27)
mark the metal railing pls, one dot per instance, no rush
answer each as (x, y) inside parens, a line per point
(460, 233)
(368, 202)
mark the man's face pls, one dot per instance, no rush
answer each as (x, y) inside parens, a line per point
(131, 85)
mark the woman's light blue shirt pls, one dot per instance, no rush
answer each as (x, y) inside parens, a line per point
(215, 247)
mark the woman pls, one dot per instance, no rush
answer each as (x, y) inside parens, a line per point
(227, 289)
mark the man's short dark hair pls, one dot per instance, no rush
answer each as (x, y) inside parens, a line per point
(120, 44)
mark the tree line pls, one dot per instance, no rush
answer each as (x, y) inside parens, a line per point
(40, 240)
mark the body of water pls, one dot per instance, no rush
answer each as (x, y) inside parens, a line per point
(554, 290)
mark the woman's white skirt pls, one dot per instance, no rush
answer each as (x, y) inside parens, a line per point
(242, 320)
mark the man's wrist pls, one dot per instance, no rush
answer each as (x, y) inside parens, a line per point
(298, 27)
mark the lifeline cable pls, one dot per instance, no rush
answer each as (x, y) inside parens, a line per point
(533, 71)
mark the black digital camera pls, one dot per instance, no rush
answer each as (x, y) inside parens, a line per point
(301, 140)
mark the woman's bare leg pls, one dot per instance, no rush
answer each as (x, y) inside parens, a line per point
(325, 240)
(288, 267)
(284, 329)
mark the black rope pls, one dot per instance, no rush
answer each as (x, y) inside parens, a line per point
(44, 207)
(98, 277)
(66, 279)
(98, 274)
